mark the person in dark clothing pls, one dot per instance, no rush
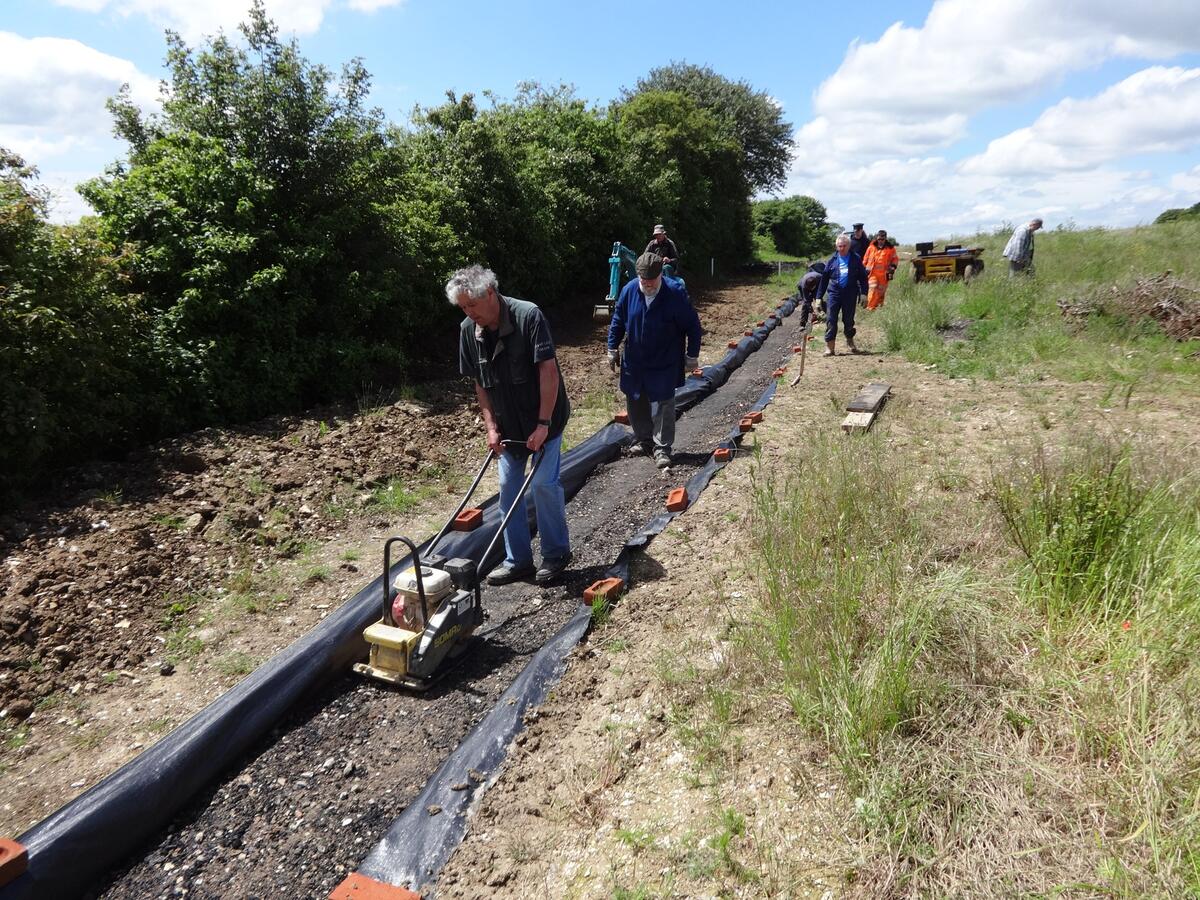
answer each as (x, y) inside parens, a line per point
(807, 288)
(663, 246)
(845, 279)
(506, 347)
(860, 240)
(654, 317)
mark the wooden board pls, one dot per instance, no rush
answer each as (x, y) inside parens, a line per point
(857, 422)
(870, 398)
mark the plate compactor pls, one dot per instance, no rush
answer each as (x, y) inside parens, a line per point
(432, 608)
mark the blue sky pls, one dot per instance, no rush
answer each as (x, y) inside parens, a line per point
(968, 115)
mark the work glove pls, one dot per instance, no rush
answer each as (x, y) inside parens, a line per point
(614, 360)
(690, 363)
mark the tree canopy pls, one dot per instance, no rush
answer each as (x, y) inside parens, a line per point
(750, 117)
(271, 241)
(796, 224)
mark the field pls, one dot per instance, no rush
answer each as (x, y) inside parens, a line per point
(955, 656)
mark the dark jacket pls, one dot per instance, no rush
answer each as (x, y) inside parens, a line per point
(860, 245)
(504, 362)
(652, 364)
(666, 249)
(856, 283)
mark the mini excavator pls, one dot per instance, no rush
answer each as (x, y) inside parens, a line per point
(432, 608)
(621, 269)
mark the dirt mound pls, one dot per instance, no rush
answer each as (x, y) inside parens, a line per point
(1173, 304)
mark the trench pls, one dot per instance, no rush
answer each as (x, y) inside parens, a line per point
(303, 807)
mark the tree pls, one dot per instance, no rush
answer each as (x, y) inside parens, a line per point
(75, 364)
(267, 232)
(1182, 214)
(752, 118)
(688, 172)
(796, 224)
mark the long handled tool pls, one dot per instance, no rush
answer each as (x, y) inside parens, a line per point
(432, 607)
(803, 350)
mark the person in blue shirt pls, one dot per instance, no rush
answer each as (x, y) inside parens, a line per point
(653, 316)
(845, 278)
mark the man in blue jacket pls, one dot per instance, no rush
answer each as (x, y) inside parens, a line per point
(653, 315)
(845, 278)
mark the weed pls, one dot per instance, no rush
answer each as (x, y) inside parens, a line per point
(322, 428)
(168, 521)
(235, 664)
(636, 839)
(293, 545)
(158, 725)
(316, 575)
(16, 738)
(352, 555)
(393, 497)
(256, 486)
(176, 608)
(182, 644)
(89, 739)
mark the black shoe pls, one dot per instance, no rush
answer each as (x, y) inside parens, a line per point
(506, 574)
(662, 459)
(552, 567)
(638, 448)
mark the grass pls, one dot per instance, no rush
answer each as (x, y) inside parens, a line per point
(764, 251)
(1013, 720)
(1015, 329)
(394, 497)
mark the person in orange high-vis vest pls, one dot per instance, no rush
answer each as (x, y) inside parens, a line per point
(880, 262)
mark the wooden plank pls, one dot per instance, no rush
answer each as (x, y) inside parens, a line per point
(857, 422)
(870, 398)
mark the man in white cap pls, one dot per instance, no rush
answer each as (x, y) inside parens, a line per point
(662, 246)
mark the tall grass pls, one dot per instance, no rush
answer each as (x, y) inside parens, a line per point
(1016, 328)
(1010, 686)
(841, 628)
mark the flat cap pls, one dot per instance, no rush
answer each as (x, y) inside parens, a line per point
(649, 265)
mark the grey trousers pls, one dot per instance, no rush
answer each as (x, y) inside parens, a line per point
(1019, 268)
(646, 418)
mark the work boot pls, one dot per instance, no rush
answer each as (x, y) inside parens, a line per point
(507, 573)
(640, 448)
(850, 344)
(662, 458)
(552, 567)
(829, 351)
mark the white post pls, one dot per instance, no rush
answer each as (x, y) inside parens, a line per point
(712, 266)
(779, 266)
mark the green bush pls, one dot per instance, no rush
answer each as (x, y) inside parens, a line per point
(76, 361)
(271, 242)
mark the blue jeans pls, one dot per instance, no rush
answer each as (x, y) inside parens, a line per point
(845, 303)
(549, 501)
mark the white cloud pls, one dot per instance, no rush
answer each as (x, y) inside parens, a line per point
(1152, 111)
(1187, 182)
(915, 88)
(53, 90)
(370, 6)
(195, 20)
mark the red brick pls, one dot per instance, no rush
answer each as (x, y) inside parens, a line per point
(14, 860)
(360, 887)
(745, 425)
(468, 519)
(722, 454)
(621, 418)
(677, 500)
(755, 417)
(606, 588)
